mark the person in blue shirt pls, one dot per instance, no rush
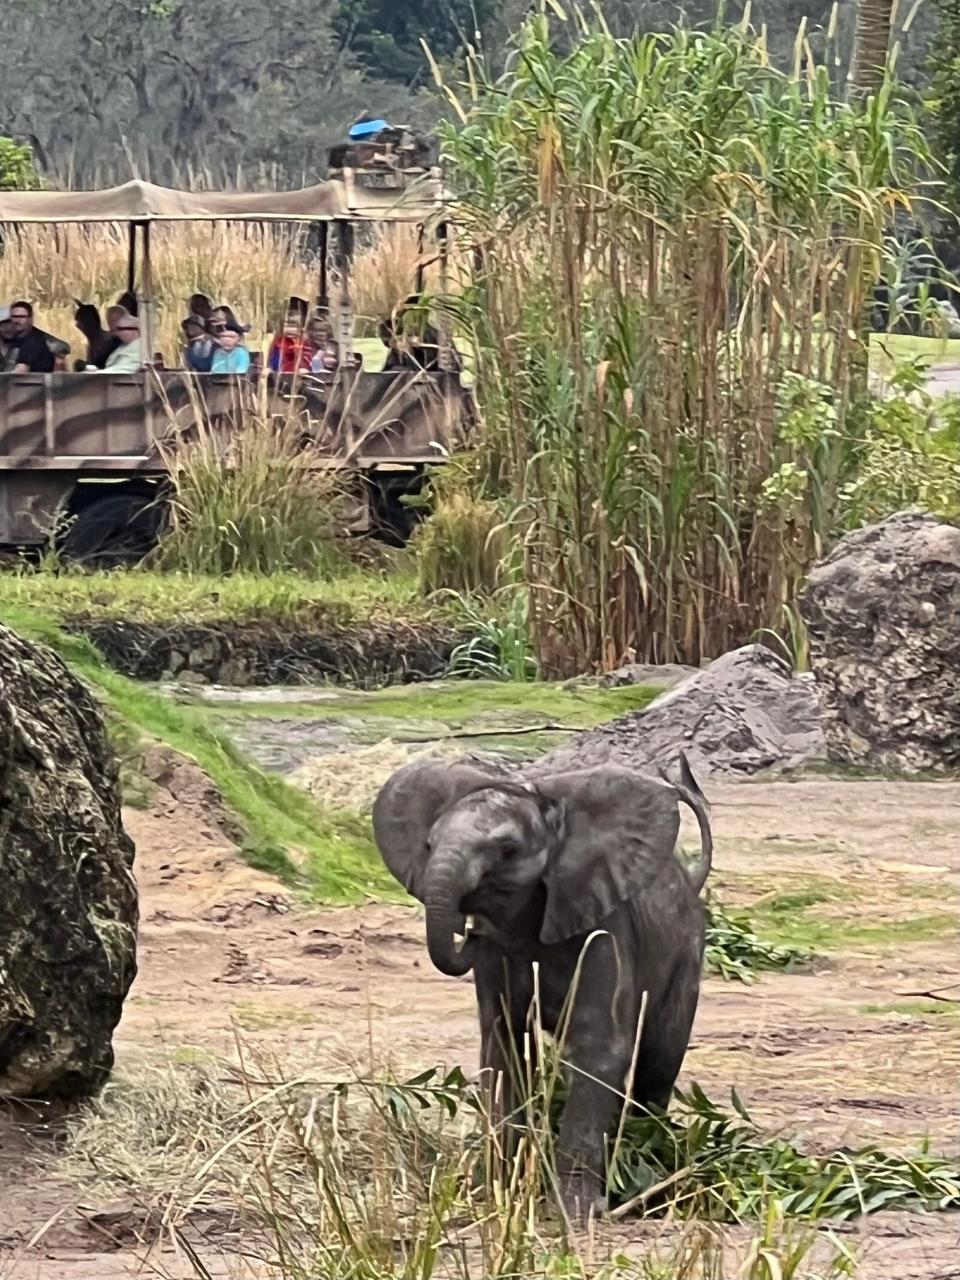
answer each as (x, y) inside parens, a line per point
(200, 348)
(231, 355)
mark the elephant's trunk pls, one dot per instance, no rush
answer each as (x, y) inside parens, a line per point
(444, 890)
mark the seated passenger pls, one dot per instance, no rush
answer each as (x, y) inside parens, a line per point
(323, 348)
(298, 307)
(100, 343)
(222, 316)
(200, 305)
(289, 351)
(412, 342)
(8, 347)
(33, 350)
(231, 355)
(114, 315)
(128, 301)
(200, 347)
(128, 357)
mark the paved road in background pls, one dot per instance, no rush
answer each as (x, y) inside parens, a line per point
(944, 379)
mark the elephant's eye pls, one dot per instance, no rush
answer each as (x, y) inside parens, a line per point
(509, 850)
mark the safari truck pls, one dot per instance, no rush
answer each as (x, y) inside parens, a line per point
(85, 451)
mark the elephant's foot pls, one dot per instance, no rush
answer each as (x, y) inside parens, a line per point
(581, 1197)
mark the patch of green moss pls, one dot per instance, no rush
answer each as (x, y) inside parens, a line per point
(252, 1015)
(820, 934)
(812, 894)
(914, 1008)
(461, 704)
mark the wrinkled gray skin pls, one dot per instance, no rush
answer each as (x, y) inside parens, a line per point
(539, 867)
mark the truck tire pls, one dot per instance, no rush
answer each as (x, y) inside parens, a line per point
(116, 529)
(393, 521)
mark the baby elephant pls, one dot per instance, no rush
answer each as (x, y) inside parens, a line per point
(539, 866)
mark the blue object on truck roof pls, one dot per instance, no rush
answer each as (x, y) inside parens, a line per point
(366, 128)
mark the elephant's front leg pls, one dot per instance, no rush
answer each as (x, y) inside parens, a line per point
(597, 1050)
(504, 992)
(589, 1121)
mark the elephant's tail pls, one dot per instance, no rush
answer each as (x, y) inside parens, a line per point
(689, 791)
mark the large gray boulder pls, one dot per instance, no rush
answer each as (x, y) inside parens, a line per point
(68, 900)
(744, 713)
(883, 616)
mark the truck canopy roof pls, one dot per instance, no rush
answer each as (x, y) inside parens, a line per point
(142, 202)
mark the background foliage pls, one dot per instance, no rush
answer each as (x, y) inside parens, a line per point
(677, 241)
(176, 90)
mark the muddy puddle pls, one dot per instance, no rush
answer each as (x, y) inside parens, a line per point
(283, 728)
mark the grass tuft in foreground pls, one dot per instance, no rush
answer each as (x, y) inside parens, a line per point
(370, 1178)
(254, 499)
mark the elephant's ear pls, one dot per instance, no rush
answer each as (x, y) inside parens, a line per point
(409, 804)
(620, 828)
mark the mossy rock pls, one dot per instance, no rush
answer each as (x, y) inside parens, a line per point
(68, 905)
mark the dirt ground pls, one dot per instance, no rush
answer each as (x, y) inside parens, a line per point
(848, 1054)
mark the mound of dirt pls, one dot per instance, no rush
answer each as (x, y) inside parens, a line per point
(883, 616)
(744, 713)
(202, 869)
(68, 902)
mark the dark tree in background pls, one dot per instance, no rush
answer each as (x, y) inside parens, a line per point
(871, 45)
(945, 104)
(256, 91)
(384, 35)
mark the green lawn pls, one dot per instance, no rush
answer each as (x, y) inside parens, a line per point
(459, 704)
(887, 348)
(149, 596)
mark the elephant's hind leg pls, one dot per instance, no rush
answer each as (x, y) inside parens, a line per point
(664, 1041)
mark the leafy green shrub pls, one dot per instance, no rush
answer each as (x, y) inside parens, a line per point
(18, 171)
(500, 647)
(734, 952)
(728, 1169)
(699, 1161)
(908, 455)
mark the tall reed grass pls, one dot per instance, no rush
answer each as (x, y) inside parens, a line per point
(253, 267)
(675, 241)
(252, 495)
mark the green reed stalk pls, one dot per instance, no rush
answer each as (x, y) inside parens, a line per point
(666, 227)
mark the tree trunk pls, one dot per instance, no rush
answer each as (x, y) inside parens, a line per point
(871, 45)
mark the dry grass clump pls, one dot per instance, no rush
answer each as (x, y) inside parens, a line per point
(252, 267)
(370, 1179)
(351, 779)
(462, 547)
(253, 499)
